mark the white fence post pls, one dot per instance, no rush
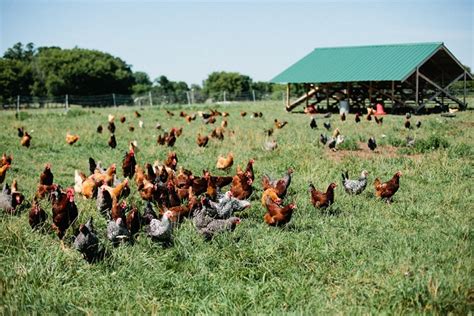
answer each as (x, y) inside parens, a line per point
(224, 98)
(253, 95)
(67, 102)
(17, 104)
(192, 96)
(188, 97)
(151, 100)
(113, 96)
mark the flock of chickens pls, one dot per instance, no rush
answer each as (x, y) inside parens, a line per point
(170, 193)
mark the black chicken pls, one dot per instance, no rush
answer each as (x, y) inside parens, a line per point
(371, 143)
(313, 124)
(327, 125)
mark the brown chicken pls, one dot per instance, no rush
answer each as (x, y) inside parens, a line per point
(44, 190)
(3, 172)
(172, 160)
(170, 114)
(357, 118)
(133, 221)
(277, 215)
(150, 172)
(272, 194)
(224, 123)
(137, 115)
(280, 186)
(343, 116)
(387, 189)
(129, 162)
(26, 140)
(243, 114)
(202, 140)
(6, 160)
(112, 141)
(170, 139)
(64, 211)
(218, 133)
(71, 139)
(37, 215)
(225, 163)
(279, 124)
(320, 199)
(123, 119)
(148, 191)
(120, 191)
(241, 187)
(46, 177)
(139, 177)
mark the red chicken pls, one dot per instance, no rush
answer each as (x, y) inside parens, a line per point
(37, 215)
(320, 199)
(387, 189)
(129, 163)
(278, 215)
(64, 211)
(46, 177)
(171, 161)
(241, 187)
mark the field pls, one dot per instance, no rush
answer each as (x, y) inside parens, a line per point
(363, 256)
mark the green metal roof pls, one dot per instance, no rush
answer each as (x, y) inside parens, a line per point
(358, 63)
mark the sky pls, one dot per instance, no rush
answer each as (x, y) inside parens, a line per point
(186, 40)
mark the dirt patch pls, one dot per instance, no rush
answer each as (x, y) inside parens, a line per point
(365, 153)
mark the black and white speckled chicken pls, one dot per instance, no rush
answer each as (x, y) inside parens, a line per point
(10, 199)
(148, 214)
(217, 226)
(117, 231)
(104, 202)
(161, 230)
(354, 186)
(227, 205)
(87, 242)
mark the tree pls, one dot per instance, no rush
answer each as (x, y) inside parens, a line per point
(232, 83)
(142, 84)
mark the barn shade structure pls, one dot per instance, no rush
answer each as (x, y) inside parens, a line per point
(405, 75)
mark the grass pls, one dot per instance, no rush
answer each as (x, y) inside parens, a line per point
(412, 256)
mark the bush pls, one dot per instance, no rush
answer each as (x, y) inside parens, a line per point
(349, 144)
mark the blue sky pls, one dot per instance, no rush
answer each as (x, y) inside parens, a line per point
(187, 40)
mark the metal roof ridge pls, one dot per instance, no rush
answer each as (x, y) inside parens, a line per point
(381, 45)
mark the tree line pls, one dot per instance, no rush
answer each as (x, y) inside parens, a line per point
(27, 70)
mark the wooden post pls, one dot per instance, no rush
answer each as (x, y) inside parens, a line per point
(306, 92)
(149, 97)
(393, 93)
(17, 104)
(188, 97)
(417, 86)
(370, 93)
(67, 102)
(113, 97)
(288, 95)
(253, 95)
(464, 96)
(327, 97)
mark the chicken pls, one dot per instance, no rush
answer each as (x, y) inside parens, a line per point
(408, 115)
(226, 206)
(225, 114)
(6, 160)
(170, 114)
(249, 169)
(407, 124)
(202, 140)
(170, 139)
(64, 211)
(372, 144)
(129, 163)
(387, 189)
(87, 242)
(10, 199)
(279, 124)
(313, 123)
(224, 123)
(225, 163)
(111, 118)
(320, 199)
(21, 131)
(343, 116)
(131, 128)
(71, 139)
(323, 139)
(280, 185)
(3, 172)
(277, 215)
(111, 127)
(79, 178)
(327, 125)
(117, 231)
(44, 191)
(47, 177)
(112, 141)
(123, 119)
(268, 132)
(243, 114)
(410, 141)
(140, 124)
(122, 190)
(357, 118)
(104, 202)
(270, 145)
(218, 133)
(171, 161)
(26, 140)
(37, 216)
(140, 177)
(217, 226)
(272, 194)
(418, 124)
(369, 117)
(379, 121)
(354, 186)
(148, 214)
(133, 221)
(241, 186)
(150, 173)
(100, 129)
(137, 115)
(161, 230)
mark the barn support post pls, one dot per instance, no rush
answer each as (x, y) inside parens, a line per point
(393, 93)
(327, 96)
(464, 94)
(417, 85)
(306, 87)
(288, 90)
(370, 93)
